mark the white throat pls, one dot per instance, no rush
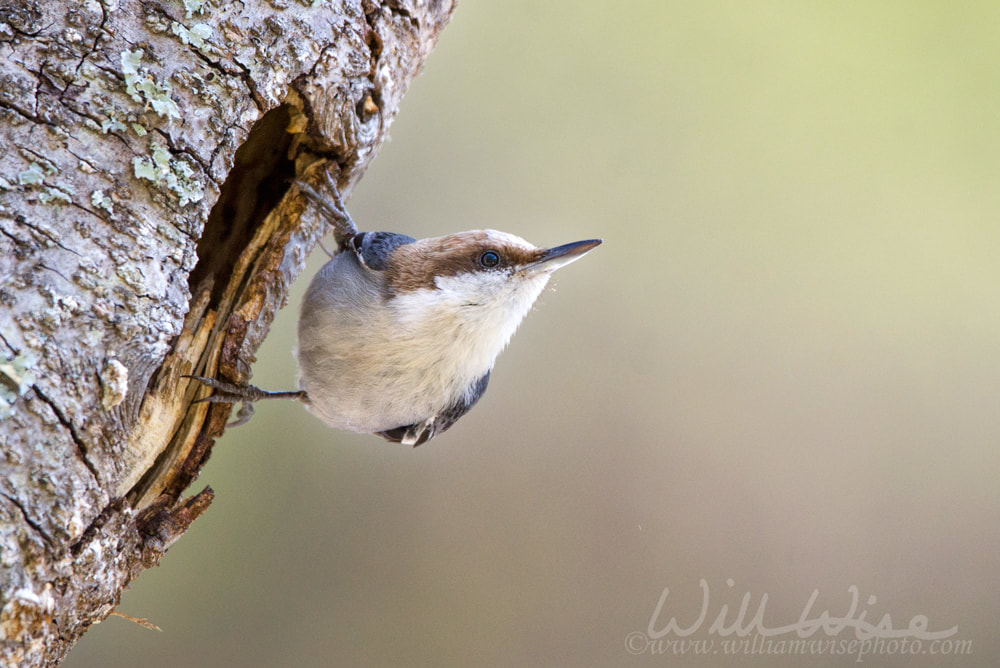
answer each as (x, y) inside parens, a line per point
(466, 321)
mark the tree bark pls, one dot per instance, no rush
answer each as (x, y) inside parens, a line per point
(148, 230)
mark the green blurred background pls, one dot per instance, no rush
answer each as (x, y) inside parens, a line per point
(781, 368)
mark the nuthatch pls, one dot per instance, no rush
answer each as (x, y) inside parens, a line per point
(397, 336)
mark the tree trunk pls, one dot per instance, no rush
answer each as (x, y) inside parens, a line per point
(148, 230)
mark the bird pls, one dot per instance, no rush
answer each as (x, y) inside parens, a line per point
(397, 336)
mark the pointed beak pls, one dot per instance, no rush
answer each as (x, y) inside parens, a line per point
(560, 256)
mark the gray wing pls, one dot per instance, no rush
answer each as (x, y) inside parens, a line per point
(421, 432)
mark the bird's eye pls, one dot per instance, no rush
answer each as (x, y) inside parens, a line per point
(489, 259)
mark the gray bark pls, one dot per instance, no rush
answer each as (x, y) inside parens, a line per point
(147, 230)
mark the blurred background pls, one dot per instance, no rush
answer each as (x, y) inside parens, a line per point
(780, 371)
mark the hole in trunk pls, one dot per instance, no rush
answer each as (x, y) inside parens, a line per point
(257, 182)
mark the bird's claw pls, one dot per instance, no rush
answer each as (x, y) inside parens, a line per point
(230, 393)
(243, 415)
(343, 225)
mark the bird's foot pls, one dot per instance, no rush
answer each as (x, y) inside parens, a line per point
(231, 393)
(343, 225)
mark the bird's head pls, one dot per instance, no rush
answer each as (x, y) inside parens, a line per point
(480, 269)
(482, 280)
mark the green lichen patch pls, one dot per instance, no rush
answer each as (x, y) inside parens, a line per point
(195, 35)
(141, 86)
(16, 377)
(102, 201)
(55, 194)
(176, 175)
(34, 176)
(194, 7)
(112, 124)
(31, 176)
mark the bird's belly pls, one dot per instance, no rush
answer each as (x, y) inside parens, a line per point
(367, 396)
